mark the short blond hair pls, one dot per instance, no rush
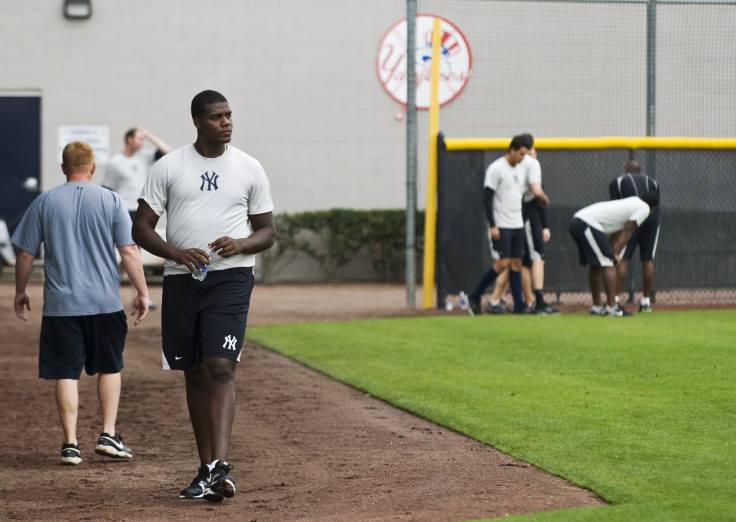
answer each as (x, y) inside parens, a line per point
(78, 156)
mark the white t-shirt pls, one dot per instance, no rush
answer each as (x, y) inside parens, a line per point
(611, 216)
(533, 175)
(207, 198)
(509, 184)
(126, 175)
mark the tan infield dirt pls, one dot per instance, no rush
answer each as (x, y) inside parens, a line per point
(304, 447)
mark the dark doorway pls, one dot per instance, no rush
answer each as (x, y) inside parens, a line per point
(20, 155)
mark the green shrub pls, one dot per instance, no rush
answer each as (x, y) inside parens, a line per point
(333, 238)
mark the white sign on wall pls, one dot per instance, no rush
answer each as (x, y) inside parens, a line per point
(455, 61)
(97, 136)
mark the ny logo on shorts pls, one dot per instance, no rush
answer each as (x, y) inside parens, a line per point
(230, 342)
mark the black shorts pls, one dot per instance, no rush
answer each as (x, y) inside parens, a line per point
(645, 237)
(511, 243)
(92, 342)
(204, 318)
(534, 234)
(594, 247)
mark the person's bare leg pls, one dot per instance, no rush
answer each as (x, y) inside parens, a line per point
(108, 393)
(609, 284)
(501, 287)
(526, 285)
(594, 278)
(647, 268)
(67, 403)
(621, 271)
(211, 401)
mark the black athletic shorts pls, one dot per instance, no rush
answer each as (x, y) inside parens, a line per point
(594, 247)
(511, 243)
(645, 237)
(92, 342)
(204, 318)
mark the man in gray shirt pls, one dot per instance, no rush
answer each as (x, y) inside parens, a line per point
(83, 325)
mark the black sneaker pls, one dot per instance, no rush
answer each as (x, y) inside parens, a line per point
(645, 308)
(219, 483)
(70, 454)
(544, 309)
(473, 305)
(198, 488)
(497, 309)
(113, 446)
(524, 310)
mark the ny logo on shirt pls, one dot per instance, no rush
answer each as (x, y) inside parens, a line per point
(210, 180)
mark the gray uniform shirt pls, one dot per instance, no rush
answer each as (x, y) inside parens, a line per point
(80, 225)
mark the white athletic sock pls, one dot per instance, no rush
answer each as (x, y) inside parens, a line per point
(616, 298)
(645, 301)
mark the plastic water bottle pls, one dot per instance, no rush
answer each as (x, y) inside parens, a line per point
(200, 275)
(449, 305)
(463, 300)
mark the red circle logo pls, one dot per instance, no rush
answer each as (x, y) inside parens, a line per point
(455, 61)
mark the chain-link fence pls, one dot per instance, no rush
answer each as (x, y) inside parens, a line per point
(696, 256)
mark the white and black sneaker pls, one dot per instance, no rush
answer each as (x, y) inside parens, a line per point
(598, 310)
(70, 454)
(198, 488)
(616, 311)
(112, 446)
(219, 483)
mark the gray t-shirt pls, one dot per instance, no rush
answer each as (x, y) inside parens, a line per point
(80, 225)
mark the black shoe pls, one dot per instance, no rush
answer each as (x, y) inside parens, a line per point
(70, 454)
(497, 309)
(544, 309)
(198, 488)
(524, 310)
(113, 446)
(473, 305)
(219, 483)
(645, 308)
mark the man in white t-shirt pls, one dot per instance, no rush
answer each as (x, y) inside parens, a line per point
(127, 171)
(504, 186)
(220, 214)
(600, 231)
(537, 233)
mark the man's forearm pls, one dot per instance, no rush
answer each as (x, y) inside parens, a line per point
(23, 270)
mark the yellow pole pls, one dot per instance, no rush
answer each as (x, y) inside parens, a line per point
(430, 214)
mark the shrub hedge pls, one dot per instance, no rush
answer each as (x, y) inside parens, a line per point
(333, 237)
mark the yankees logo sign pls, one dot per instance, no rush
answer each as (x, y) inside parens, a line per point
(455, 61)
(211, 181)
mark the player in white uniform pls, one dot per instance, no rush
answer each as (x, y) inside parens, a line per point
(600, 231)
(218, 198)
(537, 233)
(504, 187)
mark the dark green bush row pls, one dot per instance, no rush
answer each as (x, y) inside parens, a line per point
(333, 237)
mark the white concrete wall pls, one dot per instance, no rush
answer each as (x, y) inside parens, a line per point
(299, 76)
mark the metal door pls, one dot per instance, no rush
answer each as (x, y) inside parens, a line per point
(20, 156)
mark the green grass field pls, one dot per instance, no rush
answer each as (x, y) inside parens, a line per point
(641, 410)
